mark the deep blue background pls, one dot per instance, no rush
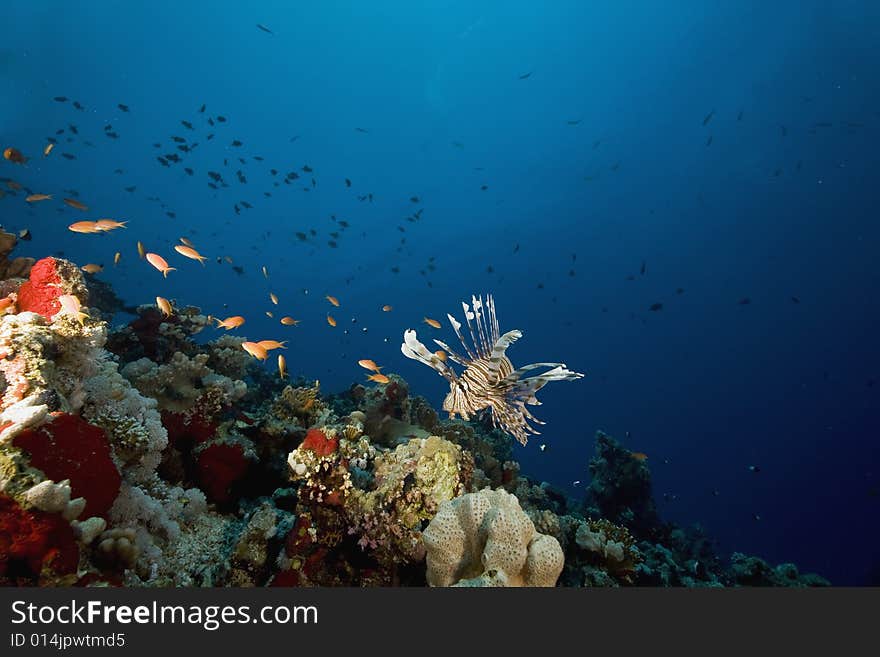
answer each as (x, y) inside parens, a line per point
(773, 208)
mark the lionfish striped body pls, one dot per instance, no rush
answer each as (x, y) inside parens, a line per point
(489, 380)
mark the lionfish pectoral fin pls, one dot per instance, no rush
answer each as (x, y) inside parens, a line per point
(412, 348)
(453, 355)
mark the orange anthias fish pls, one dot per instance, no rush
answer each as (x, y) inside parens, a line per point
(331, 321)
(387, 309)
(269, 345)
(164, 306)
(379, 378)
(332, 300)
(70, 307)
(255, 350)
(183, 240)
(266, 275)
(76, 205)
(230, 322)
(6, 303)
(84, 227)
(431, 322)
(282, 366)
(368, 364)
(34, 198)
(440, 354)
(14, 155)
(92, 268)
(191, 253)
(273, 298)
(159, 263)
(142, 252)
(290, 321)
(109, 224)
(116, 258)
(14, 186)
(48, 149)
(639, 456)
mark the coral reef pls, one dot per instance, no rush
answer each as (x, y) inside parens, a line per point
(620, 488)
(140, 457)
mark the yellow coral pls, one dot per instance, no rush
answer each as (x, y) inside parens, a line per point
(486, 539)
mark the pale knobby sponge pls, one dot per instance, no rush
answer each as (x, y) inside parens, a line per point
(486, 539)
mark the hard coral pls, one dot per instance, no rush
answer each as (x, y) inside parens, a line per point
(411, 483)
(32, 542)
(68, 447)
(610, 547)
(485, 539)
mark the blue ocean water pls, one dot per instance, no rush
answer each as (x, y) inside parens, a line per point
(580, 161)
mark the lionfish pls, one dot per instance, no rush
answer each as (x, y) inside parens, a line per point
(488, 380)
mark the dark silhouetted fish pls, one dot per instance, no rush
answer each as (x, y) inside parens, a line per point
(708, 117)
(654, 307)
(265, 29)
(124, 108)
(526, 76)
(187, 125)
(60, 99)
(745, 301)
(364, 130)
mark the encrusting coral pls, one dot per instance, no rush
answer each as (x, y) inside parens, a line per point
(486, 539)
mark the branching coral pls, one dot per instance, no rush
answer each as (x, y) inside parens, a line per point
(178, 383)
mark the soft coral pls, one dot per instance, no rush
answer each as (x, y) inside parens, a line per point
(68, 447)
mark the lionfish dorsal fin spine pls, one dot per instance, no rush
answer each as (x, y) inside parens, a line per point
(456, 326)
(480, 320)
(498, 351)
